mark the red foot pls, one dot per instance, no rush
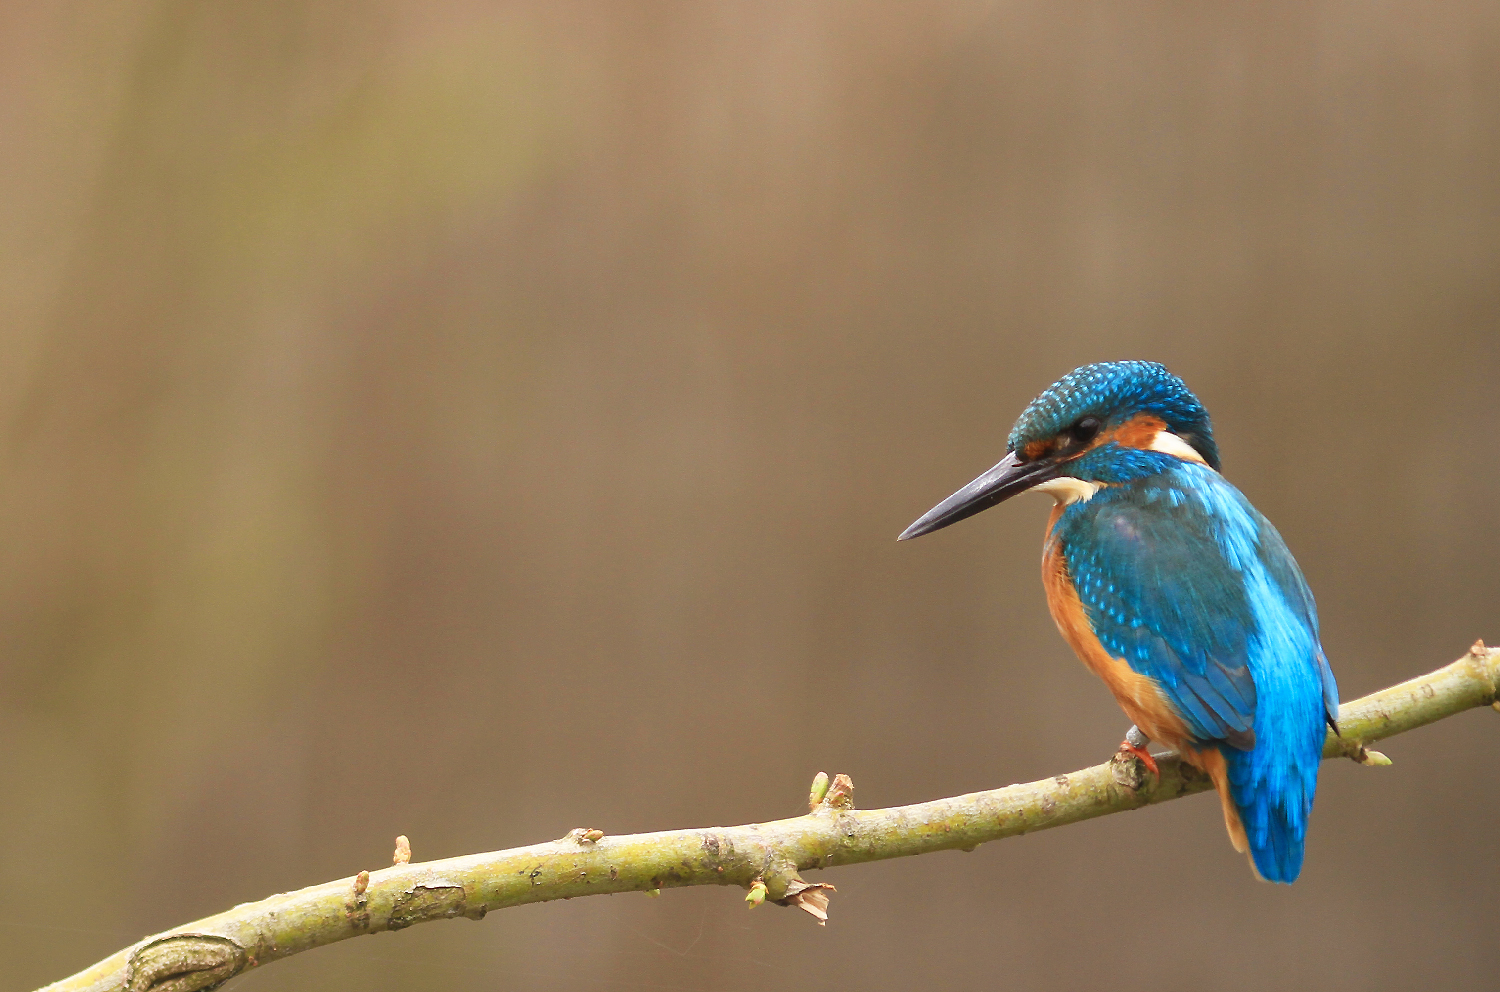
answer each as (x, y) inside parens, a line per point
(1128, 748)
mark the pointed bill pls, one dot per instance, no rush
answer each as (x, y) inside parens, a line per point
(1003, 481)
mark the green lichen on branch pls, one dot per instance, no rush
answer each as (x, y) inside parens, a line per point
(765, 858)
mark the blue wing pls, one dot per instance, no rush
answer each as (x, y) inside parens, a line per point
(1160, 593)
(1174, 572)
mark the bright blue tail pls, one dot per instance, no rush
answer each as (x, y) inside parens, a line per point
(1274, 805)
(1273, 783)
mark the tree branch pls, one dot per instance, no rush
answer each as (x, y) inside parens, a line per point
(766, 858)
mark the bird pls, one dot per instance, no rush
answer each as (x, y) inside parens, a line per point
(1172, 588)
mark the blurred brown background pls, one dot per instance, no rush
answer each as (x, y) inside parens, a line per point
(478, 420)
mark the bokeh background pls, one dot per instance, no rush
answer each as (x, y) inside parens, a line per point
(478, 420)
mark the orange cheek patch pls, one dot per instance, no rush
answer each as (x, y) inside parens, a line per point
(1036, 449)
(1138, 432)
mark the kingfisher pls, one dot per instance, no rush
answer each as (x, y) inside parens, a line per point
(1175, 591)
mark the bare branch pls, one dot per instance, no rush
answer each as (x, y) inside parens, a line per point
(765, 858)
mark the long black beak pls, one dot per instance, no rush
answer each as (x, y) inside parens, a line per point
(999, 483)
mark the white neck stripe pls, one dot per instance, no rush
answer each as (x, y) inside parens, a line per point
(1170, 444)
(1066, 489)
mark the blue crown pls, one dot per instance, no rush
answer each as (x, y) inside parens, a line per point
(1115, 392)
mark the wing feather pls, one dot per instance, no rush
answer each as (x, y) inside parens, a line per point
(1160, 573)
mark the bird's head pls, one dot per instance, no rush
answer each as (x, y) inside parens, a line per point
(1099, 424)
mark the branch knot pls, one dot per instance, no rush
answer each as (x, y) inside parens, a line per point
(184, 962)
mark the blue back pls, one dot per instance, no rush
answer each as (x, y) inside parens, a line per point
(1185, 580)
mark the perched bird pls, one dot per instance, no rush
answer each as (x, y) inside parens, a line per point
(1175, 591)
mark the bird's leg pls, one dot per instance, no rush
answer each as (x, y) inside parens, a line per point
(1135, 743)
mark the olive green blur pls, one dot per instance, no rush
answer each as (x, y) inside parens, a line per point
(476, 421)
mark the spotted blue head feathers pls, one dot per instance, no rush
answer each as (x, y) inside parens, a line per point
(1114, 392)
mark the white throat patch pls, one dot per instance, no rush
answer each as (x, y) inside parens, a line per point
(1170, 444)
(1066, 490)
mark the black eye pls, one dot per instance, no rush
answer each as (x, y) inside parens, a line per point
(1083, 432)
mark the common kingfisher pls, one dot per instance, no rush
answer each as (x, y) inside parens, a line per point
(1175, 591)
